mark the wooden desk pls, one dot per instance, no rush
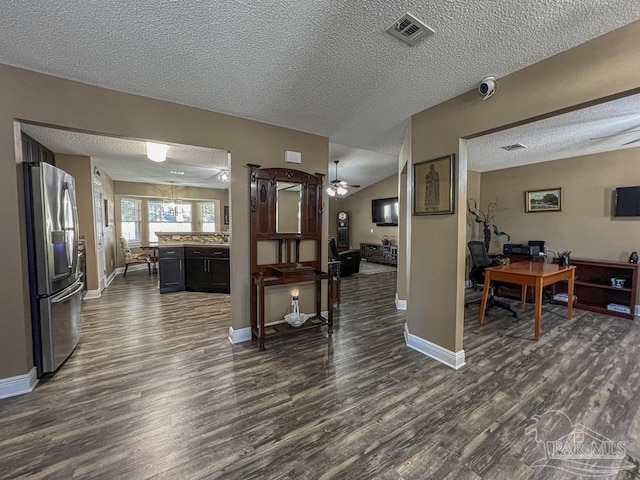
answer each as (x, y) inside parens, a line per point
(529, 274)
(153, 247)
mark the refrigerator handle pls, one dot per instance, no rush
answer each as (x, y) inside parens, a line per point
(79, 286)
(69, 207)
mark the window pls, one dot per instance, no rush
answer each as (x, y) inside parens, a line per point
(207, 213)
(168, 217)
(131, 219)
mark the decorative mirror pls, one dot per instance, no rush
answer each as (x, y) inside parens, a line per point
(288, 207)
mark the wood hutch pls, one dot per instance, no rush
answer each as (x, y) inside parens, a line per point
(285, 210)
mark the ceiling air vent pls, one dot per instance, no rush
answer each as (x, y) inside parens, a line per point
(515, 146)
(409, 29)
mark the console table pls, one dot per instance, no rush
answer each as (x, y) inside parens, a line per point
(378, 253)
(289, 276)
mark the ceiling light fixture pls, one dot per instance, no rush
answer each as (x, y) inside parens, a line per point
(223, 176)
(157, 152)
(172, 207)
(339, 190)
(177, 173)
(338, 187)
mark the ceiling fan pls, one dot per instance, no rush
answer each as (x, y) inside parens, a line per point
(621, 133)
(339, 187)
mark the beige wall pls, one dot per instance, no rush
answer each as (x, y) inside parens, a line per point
(34, 97)
(79, 167)
(602, 67)
(110, 228)
(153, 190)
(359, 207)
(585, 225)
(474, 229)
(404, 220)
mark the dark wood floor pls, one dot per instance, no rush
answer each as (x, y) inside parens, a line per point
(155, 390)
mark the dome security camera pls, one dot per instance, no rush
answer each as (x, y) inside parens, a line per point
(487, 87)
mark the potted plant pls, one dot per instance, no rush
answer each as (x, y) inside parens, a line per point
(487, 219)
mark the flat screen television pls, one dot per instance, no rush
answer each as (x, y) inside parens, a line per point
(627, 202)
(384, 211)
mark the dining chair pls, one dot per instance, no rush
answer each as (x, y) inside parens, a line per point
(133, 258)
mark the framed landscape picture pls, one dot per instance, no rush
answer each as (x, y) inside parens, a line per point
(433, 186)
(547, 200)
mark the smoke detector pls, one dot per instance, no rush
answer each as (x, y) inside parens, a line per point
(409, 29)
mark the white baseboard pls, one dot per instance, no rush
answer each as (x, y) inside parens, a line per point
(111, 278)
(400, 304)
(92, 294)
(451, 359)
(240, 335)
(18, 385)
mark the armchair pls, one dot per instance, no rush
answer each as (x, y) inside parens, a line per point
(132, 258)
(349, 259)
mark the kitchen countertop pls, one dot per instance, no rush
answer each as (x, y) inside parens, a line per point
(193, 244)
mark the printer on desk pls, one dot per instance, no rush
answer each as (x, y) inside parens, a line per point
(532, 249)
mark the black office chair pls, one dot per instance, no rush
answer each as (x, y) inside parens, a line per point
(349, 260)
(481, 261)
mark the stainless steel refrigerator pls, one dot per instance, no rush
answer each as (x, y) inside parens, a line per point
(52, 240)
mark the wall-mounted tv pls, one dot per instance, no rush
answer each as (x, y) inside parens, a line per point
(627, 202)
(384, 211)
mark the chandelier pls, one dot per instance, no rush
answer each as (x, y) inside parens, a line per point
(172, 207)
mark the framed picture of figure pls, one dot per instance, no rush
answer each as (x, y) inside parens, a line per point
(433, 186)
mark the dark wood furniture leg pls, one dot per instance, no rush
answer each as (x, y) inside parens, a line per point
(261, 312)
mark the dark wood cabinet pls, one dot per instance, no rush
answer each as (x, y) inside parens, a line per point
(378, 253)
(171, 263)
(197, 269)
(207, 269)
(594, 289)
(34, 152)
(198, 277)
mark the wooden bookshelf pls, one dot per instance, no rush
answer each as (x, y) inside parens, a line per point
(593, 286)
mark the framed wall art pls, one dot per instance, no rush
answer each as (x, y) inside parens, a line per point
(546, 200)
(433, 186)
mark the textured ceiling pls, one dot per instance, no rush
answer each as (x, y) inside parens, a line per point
(569, 135)
(322, 66)
(360, 167)
(126, 160)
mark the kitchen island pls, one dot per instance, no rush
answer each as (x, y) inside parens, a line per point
(195, 261)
